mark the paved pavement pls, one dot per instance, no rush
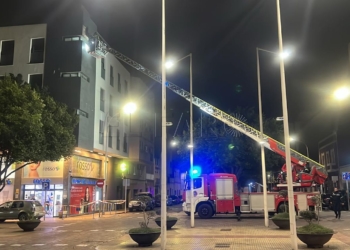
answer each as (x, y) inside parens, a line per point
(110, 232)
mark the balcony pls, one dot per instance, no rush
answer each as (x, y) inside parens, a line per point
(150, 177)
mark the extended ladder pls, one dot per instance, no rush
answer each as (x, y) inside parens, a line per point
(101, 48)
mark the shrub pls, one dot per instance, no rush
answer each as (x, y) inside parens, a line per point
(281, 216)
(312, 228)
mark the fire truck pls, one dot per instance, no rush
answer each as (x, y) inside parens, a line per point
(218, 193)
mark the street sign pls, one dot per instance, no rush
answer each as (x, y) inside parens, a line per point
(127, 182)
(100, 183)
(346, 176)
(45, 185)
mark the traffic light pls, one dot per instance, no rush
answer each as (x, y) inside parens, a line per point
(197, 171)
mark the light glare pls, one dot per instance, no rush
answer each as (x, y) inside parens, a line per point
(169, 64)
(341, 93)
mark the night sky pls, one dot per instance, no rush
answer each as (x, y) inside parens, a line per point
(223, 35)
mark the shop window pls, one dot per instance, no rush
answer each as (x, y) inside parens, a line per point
(102, 99)
(111, 77)
(333, 161)
(59, 186)
(37, 50)
(119, 84)
(110, 136)
(36, 80)
(7, 52)
(103, 70)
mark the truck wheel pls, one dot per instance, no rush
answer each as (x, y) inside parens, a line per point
(282, 208)
(205, 211)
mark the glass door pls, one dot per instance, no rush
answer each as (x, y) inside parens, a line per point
(58, 202)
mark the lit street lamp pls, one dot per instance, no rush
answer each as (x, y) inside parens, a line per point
(168, 65)
(307, 148)
(293, 235)
(341, 93)
(282, 55)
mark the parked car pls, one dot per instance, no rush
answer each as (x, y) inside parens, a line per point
(136, 203)
(158, 201)
(20, 209)
(175, 199)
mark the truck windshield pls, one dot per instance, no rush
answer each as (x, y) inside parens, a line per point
(197, 183)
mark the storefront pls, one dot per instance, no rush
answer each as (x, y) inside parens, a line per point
(33, 176)
(84, 194)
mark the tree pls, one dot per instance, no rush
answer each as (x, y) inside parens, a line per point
(219, 148)
(33, 127)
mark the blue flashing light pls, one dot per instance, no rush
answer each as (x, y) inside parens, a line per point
(197, 171)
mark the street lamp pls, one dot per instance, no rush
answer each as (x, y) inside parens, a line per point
(168, 65)
(307, 148)
(341, 93)
(282, 55)
(294, 241)
(163, 154)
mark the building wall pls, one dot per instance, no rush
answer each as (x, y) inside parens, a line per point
(22, 35)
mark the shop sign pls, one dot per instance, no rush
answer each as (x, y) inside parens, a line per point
(83, 181)
(44, 169)
(40, 181)
(100, 183)
(86, 167)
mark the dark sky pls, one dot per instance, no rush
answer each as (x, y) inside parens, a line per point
(223, 35)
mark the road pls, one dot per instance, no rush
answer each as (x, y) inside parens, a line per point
(110, 232)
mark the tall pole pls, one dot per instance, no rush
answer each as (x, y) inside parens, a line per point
(263, 167)
(286, 137)
(106, 165)
(191, 143)
(163, 155)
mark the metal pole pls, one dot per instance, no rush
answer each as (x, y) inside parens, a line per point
(46, 206)
(263, 167)
(347, 193)
(293, 235)
(163, 155)
(125, 189)
(191, 143)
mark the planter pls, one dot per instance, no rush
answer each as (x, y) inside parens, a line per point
(282, 224)
(315, 240)
(28, 225)
(169, 223)
(145, 239)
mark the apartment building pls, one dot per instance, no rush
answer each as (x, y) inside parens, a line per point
(51, 51)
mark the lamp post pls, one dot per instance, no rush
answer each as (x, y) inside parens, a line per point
(168, 65)
(123, 168)
(293, 235)
(262, 147)
(163, 154)
(307, 148)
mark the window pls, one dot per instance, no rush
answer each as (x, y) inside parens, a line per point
(118, 139)
(102, 99)
(37, 50)
(125, 144)
(126, 88)
(36, 80)
(103, 70)
(322, 161)
(119, 84)
(328, 160)
(7, 52)
(333, 161)
(101, 132)
(111, 78)
(111, 105)
(110, 137)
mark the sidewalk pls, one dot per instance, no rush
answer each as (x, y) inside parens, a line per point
(250, 233)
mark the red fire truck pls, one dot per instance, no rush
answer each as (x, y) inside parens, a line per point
(218, 193)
